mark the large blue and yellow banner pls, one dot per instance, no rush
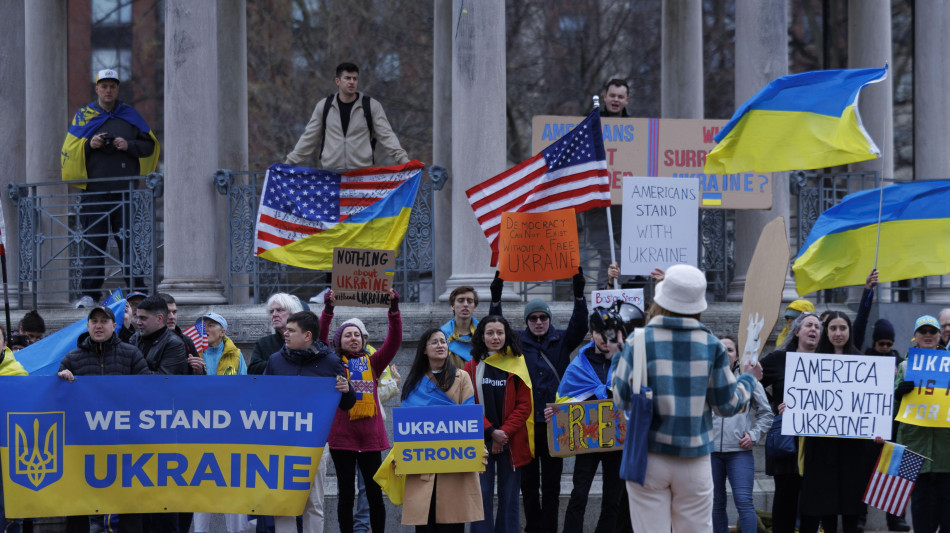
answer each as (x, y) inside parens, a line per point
(436, 439)
(929, 403)
(129, 444)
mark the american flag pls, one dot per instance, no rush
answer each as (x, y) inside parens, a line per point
(198, 335)
(571, 172)
(298, 202)
(893, 479)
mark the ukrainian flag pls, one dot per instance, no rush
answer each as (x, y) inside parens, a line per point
(797, 122)
(85, 124)
(915, 237)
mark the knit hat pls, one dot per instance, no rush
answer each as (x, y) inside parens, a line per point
(350, 322)
(536, 306)
(883, 330)
(798, 307)
(682, 291)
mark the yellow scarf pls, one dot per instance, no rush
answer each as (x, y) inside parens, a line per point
(364, 385)
(509, 362)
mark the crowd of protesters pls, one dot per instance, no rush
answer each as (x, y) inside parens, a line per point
(709, 409)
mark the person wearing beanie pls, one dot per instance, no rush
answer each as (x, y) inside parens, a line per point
(680, 437)
(882, 344)
(358, 436)
(547, 352)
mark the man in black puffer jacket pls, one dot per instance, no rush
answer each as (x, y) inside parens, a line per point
(305, 355)
(99, 352)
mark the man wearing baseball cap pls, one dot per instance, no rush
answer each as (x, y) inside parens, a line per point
(107, 139)
(99, 352)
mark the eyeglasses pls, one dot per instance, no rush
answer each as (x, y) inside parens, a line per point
(885, 344)
(437, 342)
(928, 331)
(538, 318)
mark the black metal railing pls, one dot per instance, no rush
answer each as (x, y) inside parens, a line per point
(70, 241)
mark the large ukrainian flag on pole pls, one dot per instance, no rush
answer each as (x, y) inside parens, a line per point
(305, 213)
(798, 122)
(915, 237)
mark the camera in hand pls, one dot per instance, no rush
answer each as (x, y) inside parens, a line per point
(107, 139)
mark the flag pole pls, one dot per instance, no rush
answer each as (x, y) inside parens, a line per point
(610, 222)
(6, 292)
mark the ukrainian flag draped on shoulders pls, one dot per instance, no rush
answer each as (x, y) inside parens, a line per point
(580, 381)
(914, 242)
(87, 121)
(798, 122)
(512, 364)
(304, 213)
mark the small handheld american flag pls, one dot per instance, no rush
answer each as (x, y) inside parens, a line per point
(198, 335)
(893, 479)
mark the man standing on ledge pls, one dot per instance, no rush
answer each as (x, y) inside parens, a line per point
(107, 139)
(616, 98)
(344, 128)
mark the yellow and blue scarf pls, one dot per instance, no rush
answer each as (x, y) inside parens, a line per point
(460, 345)
(360, 373)
(580, 381)
(85, 124)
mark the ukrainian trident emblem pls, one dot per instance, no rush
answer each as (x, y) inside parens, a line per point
(37, 448)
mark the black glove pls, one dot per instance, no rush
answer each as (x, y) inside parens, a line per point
(904, 387)
(394, 302)
(577, 282)
(497, 285)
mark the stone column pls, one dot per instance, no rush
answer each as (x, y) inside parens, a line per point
(232, 121)
(761, 56)
(681, 73)
(931, 79)
(13, 100)
(46, 115)
(478, 130)
(442, 139)
(191, 152)
(869, 45)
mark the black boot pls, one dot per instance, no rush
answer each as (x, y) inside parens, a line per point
(897, 523)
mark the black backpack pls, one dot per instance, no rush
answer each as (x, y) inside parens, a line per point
(367, 115)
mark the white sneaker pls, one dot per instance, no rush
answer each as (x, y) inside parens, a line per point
(85, 301)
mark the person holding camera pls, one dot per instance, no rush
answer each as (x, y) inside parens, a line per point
(107, 139)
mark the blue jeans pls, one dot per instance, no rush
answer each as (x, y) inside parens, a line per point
(739, 467)
(509, 484)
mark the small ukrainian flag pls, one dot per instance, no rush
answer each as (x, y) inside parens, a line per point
(712, 198)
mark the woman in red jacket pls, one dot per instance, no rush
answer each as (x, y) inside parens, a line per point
(359, 435)
(503, 386)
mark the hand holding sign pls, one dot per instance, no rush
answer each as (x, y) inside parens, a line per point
(750, 352)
